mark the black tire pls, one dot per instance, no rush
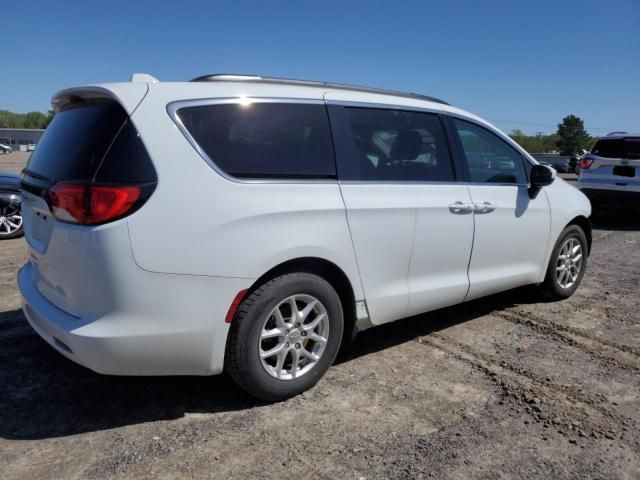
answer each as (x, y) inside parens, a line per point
(16, 234)
(242, 362)
(551, 288)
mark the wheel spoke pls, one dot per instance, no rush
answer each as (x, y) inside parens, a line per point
(307, 310)
(563, 278)
(295, 359)
(295, 313)
(310, 355)
(282, 356)
(271, 333)
(279, 318)
(274, 351)
(314, 323)
(317, 338)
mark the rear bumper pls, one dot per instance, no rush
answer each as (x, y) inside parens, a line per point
(184, 335)
(620, 198)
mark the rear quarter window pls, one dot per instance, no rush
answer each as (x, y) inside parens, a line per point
(611, 148)
(264, 140)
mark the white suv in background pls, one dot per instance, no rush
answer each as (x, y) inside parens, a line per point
(610, 173)
(248, 224)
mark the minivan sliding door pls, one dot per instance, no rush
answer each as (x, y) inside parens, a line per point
(410, 221)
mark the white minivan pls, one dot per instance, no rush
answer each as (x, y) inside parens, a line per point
(249, 224)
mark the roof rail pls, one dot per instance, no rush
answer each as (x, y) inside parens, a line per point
(225, 77)
(616, 133)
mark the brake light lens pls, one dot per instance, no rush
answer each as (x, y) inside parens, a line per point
(586, 162)
(89, 204)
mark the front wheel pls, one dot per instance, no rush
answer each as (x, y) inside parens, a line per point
(285, 336)
(567, 264)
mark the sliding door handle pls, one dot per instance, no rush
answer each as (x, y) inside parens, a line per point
(484, 207)
(461, 208)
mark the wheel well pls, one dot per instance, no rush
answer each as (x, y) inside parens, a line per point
(585, 224)
(331, 273)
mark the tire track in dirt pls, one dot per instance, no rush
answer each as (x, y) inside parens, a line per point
(563, 407)
(610, 353)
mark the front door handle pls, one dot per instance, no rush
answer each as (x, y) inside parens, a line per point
(484, 207)
(461, 208)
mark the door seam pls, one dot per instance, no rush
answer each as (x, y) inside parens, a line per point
(473, 244)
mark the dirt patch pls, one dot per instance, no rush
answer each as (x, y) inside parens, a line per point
(502, 387)
(13, 162)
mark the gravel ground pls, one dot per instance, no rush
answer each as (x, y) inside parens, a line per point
(504, 387)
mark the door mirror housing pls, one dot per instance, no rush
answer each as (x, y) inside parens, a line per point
(541, 176)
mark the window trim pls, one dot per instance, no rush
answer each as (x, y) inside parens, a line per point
(174, 107)
(460, 154)
(344, 146)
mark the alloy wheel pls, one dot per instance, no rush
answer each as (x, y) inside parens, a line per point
(10, 219)
(569, 263)
(293, 337)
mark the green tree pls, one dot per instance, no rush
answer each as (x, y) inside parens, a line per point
(34, 120)
(47, 120)
(573, 136)
(24, 120)
(539, 143)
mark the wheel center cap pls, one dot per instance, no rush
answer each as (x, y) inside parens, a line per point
(295, 336)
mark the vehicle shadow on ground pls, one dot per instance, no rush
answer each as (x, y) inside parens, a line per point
(617, 219)
(44, 395)
(408, 329)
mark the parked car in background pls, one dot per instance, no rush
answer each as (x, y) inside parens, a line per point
(10, 215)
(559, 164)
(31, 147)
(5, 148)
(609, 172)
(312, 210)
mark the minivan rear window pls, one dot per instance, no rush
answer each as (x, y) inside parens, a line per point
(75, 142)
(617, 148)
(264, 140)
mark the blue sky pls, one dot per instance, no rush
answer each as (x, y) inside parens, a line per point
(520, 64)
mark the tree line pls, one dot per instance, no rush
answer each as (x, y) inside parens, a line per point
(570, 138)
(25, 120)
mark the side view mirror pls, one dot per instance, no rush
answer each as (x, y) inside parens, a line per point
(541, 176)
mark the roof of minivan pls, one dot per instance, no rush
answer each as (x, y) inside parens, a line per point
(312, 83)
(130, 94)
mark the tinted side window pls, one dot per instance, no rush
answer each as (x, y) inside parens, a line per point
(127, 159)
(489, 158)
(264, 140)
(399, 145)
(610, 148)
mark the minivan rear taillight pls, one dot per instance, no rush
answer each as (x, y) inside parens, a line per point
(91, 204)
(586, 162)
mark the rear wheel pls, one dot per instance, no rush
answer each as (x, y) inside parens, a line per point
(567, 264)
(10, 221)
(285, 336)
